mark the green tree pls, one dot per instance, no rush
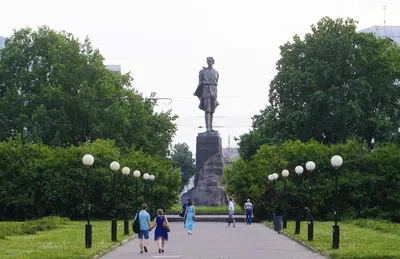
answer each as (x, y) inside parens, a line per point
(368, 181)
(56, 89)
(183, 158)
(39, 180)
(333, 84)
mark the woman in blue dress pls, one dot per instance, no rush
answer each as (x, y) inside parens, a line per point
(190, 216)
(160, 234)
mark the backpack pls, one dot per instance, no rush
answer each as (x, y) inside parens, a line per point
(136, 224)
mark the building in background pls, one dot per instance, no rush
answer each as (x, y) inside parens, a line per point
(229, 155)
(389, 32)
(116, 69)
(2, 42)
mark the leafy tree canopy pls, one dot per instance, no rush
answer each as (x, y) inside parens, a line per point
(333, 84)
(56, 90)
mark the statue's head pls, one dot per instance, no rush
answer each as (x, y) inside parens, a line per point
(210, 61)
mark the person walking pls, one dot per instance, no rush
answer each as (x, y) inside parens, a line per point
(182, 213)
(160, 234)
(190, 216)
(144, 222)
(231, 209)
(248, 208)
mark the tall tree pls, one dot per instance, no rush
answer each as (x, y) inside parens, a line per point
(333, 84)
(183, 158)
(56, 89)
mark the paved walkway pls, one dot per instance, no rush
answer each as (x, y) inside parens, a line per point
(212, 240)
(208, 218)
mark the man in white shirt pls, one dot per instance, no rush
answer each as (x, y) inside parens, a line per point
(231, 209)
(248, 208)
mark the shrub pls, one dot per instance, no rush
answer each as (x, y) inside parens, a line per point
(30, 227)
(396, 216)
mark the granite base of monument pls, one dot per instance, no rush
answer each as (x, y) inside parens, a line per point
(208, 144)
(208, 190)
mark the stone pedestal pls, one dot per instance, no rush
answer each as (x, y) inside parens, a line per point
(208, 144)
(208, 190)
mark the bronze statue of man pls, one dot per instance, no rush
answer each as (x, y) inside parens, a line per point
(207, 92)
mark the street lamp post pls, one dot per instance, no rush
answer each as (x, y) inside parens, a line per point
(285, 173)
(372, 144)
(299, 170)
(270, 178)
(151, 178)
(146, 177)
(88, 161)
(310, 166)
(275, 214)
(336, 162)
(126, 171)
(114, 166)
(275, 176)
(136, 174)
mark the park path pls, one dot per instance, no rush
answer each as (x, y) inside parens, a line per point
(212, 240)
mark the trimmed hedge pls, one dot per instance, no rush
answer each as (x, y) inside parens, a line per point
(368, 180)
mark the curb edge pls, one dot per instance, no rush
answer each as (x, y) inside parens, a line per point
(312, 249)
(113, 247)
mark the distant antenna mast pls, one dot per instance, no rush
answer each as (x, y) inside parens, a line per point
(384, 14)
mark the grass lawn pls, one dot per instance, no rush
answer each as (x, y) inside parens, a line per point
(217, 210)
(367, 239)
(67, 241)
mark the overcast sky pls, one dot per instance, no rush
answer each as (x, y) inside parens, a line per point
(164, 43)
